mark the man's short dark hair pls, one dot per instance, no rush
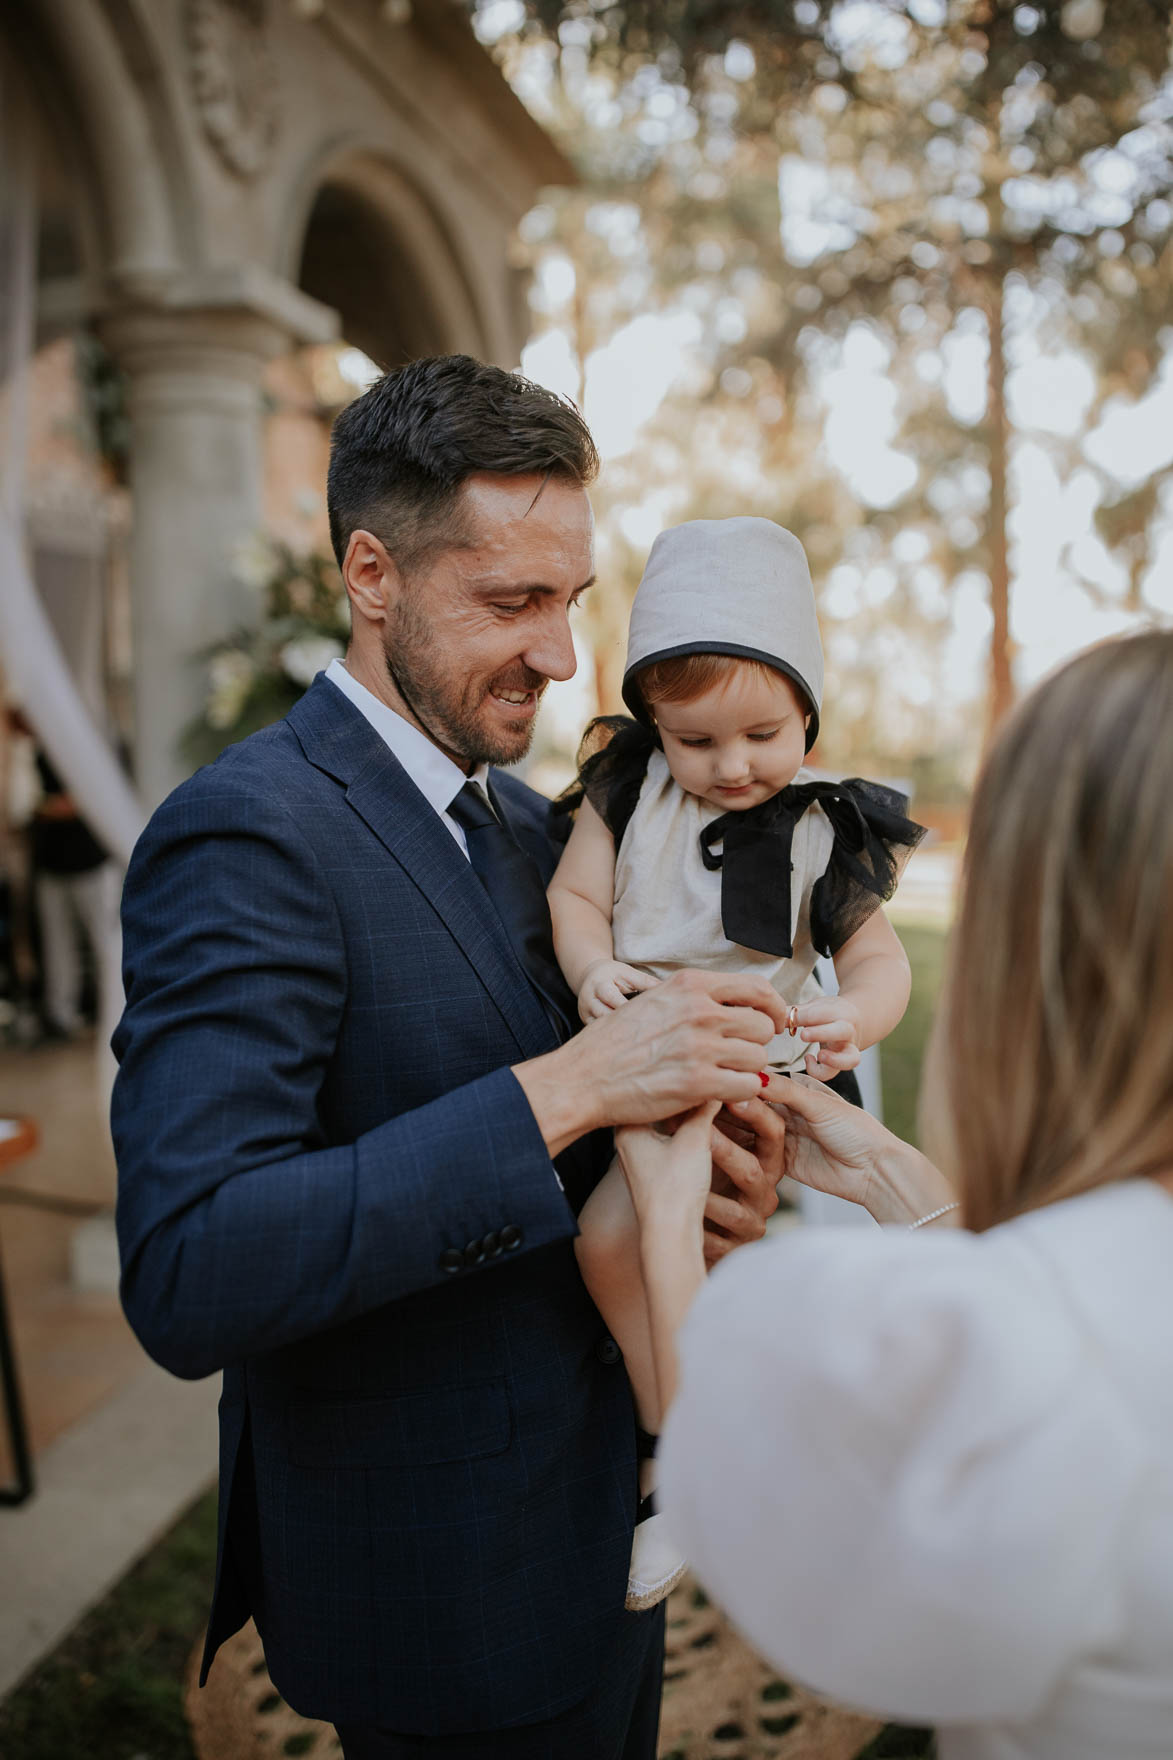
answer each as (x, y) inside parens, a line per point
(400, 453)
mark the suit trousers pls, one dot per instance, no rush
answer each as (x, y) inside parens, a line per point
(620, 1720)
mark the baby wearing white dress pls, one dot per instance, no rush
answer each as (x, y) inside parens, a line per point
(702, 841)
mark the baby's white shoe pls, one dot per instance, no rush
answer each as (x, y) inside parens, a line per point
(657, 1565)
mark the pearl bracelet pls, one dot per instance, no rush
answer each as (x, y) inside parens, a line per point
(933, 1215)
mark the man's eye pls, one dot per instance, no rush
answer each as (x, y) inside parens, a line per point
(511, 610)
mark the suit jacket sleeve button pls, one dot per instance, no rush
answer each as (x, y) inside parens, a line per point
(511, 1236)
(492, 1244)
(452, 1259)
(608, 1351)
(474, 1253)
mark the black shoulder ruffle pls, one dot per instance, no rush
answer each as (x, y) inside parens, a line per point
(612, 763)
(873, 841)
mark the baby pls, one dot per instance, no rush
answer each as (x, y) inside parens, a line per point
(701, 841)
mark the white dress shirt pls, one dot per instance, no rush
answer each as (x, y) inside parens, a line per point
(931, 1475)
(438, 779)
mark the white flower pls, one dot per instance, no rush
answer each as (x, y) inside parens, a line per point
(254, 561)
(1082, 19)
(230, 675)
(304, 657)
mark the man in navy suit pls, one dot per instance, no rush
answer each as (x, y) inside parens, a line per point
(353, 1130)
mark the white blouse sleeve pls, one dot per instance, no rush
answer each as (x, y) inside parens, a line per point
(894, 1462)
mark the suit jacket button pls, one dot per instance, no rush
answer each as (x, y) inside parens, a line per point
(511, 1236)
(474, 1253)
(608, 1351)
(492, 1244)
(452, 1259)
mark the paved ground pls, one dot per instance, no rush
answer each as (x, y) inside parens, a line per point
(119, 1447)
(74, 1348)
(107, 1489)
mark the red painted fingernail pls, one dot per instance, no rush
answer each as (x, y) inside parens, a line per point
(763, 1078)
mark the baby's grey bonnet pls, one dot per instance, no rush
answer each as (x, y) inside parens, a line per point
(728, 586)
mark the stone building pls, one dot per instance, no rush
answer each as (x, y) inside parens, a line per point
(219, 182)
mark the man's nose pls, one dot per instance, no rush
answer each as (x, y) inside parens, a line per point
(552, 651)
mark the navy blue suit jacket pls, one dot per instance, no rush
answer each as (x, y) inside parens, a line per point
(333, 1189)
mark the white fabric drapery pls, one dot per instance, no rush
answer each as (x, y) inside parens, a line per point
(34, 666)
(33, 662)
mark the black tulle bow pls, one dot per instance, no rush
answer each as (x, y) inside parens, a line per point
(872, 839)
(755, 855)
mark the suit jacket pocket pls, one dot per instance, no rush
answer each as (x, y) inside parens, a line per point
(421, 1429)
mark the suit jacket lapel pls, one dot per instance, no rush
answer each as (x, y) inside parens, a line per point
(338, 739)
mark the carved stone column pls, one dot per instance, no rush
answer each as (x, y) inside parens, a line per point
(194, 373)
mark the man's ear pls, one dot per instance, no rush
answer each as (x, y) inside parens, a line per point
(372, 580)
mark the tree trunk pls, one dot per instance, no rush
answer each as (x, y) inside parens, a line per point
(1001, 677)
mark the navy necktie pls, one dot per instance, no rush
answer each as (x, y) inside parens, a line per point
(511, 879)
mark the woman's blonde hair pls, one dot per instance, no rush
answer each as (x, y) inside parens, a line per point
(1051, 1065)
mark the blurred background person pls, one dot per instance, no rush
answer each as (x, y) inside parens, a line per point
(75, 890)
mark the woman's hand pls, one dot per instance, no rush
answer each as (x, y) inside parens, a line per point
(831, 1025)
(838, 1148)
(606, 984)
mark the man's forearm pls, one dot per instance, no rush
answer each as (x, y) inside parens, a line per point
(563, 1099)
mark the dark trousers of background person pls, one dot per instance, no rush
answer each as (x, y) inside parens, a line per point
(620, 1721)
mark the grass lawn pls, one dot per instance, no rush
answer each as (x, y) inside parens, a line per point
(901, 1052)
(113, 1689)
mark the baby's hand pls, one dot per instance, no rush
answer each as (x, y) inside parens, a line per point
(832, 1022)
(606, 983)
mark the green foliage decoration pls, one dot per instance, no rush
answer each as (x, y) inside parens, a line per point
(257, 674)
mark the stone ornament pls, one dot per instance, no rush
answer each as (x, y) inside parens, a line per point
(233, 79)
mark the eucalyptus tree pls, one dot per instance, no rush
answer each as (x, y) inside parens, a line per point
(945, 170)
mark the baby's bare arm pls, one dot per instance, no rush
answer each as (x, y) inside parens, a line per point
(874, 983)
(580, 897)
(874, 974)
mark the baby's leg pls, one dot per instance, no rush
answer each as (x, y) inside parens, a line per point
(608, 1257)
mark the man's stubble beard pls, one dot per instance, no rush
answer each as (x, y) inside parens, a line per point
(436, 701)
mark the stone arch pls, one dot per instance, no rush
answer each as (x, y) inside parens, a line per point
(366, 242)
(123, 168)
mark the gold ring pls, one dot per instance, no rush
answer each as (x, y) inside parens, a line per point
(792, 1019)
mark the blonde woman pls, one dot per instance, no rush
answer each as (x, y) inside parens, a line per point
(929, 1471)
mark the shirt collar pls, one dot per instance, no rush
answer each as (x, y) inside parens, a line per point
(438, 779)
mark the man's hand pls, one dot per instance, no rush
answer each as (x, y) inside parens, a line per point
(698, 1036)
(748, 1147)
